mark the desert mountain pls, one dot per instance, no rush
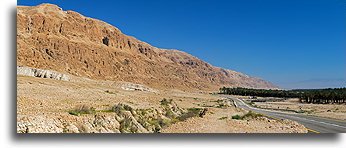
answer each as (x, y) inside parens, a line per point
(67, 42)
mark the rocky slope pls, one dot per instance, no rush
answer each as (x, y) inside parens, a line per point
(67, 42)
(121, 118)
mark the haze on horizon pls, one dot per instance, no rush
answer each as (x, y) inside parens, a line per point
(294, 44)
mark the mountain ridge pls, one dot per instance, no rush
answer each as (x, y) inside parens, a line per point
(66, 41)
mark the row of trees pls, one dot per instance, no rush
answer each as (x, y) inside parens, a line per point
(330, 95)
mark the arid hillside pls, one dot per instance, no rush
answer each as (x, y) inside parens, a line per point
(67, 42)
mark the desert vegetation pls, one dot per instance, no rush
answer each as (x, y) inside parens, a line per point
(82, 109)
(318, 96)
(248, 115)
(133, 120)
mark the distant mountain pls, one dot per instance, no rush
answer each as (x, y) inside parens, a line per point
(315, 84)
(67, 42)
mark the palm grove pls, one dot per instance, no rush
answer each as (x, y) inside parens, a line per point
(323, 96)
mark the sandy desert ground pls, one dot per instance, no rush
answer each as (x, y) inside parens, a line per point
(43, 106)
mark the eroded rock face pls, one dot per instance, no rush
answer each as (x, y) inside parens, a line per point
(34, 72)
(105, 123)
(136, 87)
(122, 119)
(65, 41)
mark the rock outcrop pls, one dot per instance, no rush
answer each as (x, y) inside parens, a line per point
(121, 119)
(67, 42)
(34, 72)
(136, 87)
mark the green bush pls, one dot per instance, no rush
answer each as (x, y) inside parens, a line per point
(169, 113)
(252, 115)
(119, 108)
(71, 112)
(191, 112)
(237, 117)
(223, 118)
(82, 109)
(221, 106)
(249, 114)
(166, 102)
(194, 109)
(164, 122)
(105, 111)
(126, 126)
(174, 121)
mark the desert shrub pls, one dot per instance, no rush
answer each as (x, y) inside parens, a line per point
(223, 118)
(194, 109)
(82, 109)
(191, 112)
(221, 106)
(110, 92)
(127, 107)
(169, 113)
(157, 129)
(71, 112)
(237, 117)
(130, 102)
(119, 108)
(203, 112)
(249, 114)
(205, 105)
(174, 121)
(164, 122)
(155, 123)
(105, 111)
(166, 102)
(144, 123)
(219, 101)
(141, 112)
(126, 126)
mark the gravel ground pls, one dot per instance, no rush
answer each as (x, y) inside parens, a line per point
(213, 123)
(44, 104)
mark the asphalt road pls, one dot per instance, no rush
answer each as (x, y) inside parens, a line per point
(313, 124)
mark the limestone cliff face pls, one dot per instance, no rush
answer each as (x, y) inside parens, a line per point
(65, 41)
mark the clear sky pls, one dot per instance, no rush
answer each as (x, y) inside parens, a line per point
(292, 43)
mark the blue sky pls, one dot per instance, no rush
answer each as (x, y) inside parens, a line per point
(292, 43)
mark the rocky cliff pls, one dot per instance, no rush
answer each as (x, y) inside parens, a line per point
(67, 42)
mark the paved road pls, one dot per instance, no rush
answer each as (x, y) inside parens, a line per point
(313, 124)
